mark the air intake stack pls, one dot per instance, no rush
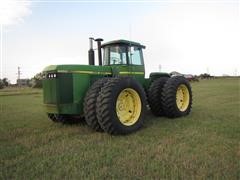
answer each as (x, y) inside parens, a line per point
(91, 52)
(99, 40)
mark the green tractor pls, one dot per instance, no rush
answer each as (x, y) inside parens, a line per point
(113, 96)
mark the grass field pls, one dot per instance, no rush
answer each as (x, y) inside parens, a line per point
(203, 145)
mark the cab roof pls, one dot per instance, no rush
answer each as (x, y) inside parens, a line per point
(123, 42)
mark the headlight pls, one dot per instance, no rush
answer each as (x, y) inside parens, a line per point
(51, 75)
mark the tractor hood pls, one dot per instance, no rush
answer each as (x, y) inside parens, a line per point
(82, 69)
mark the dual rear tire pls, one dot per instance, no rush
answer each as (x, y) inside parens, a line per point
(170, 97)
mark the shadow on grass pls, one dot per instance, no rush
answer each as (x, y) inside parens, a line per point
(150, 120)
(74, 121)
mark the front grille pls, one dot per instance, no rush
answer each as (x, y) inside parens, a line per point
(58, 88)
(65, 87)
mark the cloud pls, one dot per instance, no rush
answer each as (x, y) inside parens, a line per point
(13, 11)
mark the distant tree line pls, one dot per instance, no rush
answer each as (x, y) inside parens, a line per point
(35, 82)
(4, 83)
(206, 76)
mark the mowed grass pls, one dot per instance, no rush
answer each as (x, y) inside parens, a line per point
(203, 145)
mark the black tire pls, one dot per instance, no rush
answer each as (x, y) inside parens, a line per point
(53, 117)
(70, 119)
(59, 118)
(90, 101)
(107, 101)
(155, 96)
(65, 119)
(169, 97)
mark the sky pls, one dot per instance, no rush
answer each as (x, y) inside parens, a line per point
(190, 36)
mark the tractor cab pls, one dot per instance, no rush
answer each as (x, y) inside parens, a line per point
(124, 57)
(122, 52)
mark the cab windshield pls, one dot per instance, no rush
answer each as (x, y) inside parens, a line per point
(122, 55)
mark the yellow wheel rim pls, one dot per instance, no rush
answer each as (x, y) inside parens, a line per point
(128, 106)
(182, 97)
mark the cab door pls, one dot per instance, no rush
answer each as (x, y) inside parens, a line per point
(125, 60)
(117, 58)
(136, 63)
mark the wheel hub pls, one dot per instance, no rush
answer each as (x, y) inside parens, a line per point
(128, 106)
(182, 97)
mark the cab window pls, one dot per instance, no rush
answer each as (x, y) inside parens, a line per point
(135, 56)
(115, 55)
(122, 55)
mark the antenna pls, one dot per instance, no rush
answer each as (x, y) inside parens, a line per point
(160, 67)
(130, 32)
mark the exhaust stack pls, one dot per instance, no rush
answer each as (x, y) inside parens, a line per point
(99, 51)
(91, 52)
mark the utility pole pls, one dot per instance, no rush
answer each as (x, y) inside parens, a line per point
(19, 76)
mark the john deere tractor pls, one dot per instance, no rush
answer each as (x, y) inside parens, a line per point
(113, 96)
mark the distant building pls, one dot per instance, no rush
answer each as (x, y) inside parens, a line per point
(23, 82)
